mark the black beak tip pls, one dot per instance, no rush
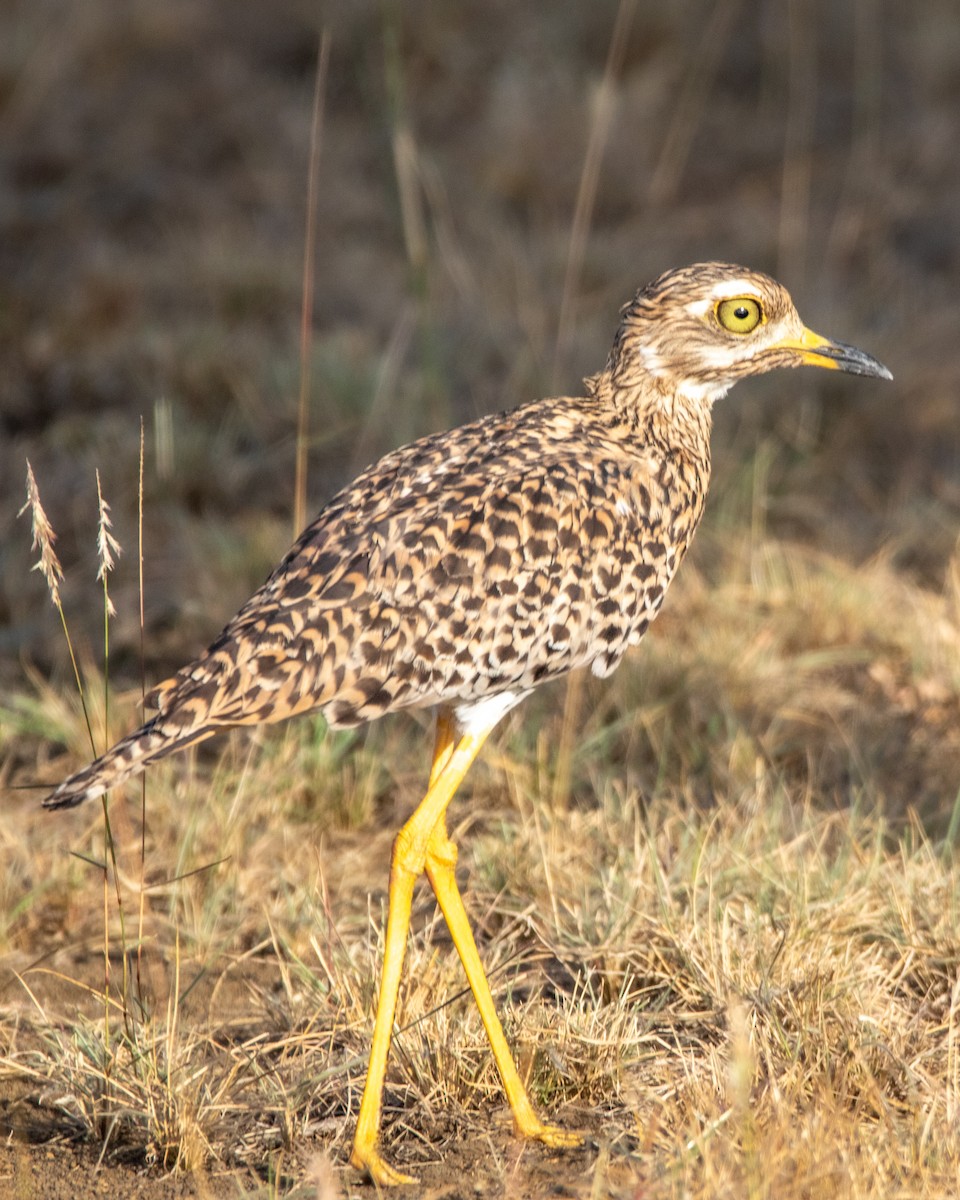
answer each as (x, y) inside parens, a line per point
(871, 367)
(857, 362)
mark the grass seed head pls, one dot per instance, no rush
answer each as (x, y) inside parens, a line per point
(108, 548)
(43, 538)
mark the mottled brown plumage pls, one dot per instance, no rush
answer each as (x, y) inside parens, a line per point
(468, 567)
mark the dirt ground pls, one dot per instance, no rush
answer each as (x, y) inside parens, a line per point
(153, 183)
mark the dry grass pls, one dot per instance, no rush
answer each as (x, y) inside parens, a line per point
(717, 895)
(732, 957)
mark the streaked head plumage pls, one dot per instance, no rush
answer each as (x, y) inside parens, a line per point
(697, 330)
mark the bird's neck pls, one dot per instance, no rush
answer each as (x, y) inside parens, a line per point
(673, 420)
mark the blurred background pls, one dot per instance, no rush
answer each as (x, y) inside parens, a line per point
(747, 838)
(494, 181)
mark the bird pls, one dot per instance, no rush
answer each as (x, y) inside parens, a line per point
(465, 569)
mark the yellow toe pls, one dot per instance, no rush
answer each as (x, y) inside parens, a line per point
(561, 1138)
(552, 1135)
(367, 1158)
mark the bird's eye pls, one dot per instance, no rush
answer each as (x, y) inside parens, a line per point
(740, 315)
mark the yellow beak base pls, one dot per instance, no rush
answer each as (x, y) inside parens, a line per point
(819, 351)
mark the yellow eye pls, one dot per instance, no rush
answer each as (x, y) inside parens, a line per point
(739, 315)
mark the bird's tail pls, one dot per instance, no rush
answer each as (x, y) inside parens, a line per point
(128, 757)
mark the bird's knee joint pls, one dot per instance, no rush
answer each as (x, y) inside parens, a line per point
(442, 854)
(409, 853)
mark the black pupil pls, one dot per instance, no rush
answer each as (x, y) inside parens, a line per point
(741, 313)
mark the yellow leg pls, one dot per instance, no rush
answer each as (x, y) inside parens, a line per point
(365, 1154)
(444, 743)
(441, 871)
(450, 763)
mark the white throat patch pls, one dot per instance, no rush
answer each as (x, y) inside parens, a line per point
(706, 392)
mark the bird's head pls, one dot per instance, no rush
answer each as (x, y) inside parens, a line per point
(699, 329)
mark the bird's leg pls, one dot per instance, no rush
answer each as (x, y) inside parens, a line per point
(444, 743)
(365, 1155)
(451, 761)
(441, 871)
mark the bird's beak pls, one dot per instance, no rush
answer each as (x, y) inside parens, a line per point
(819, 351)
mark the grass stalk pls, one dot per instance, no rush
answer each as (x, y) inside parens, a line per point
(306, 305)
(604, 107)
(48, 564)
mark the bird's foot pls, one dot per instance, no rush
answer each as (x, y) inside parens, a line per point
(367, 1158)
(552, 1135)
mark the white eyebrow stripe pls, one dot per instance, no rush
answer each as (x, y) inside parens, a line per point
(727, 288)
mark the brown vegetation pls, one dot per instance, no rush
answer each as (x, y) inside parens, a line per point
(717, 894)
